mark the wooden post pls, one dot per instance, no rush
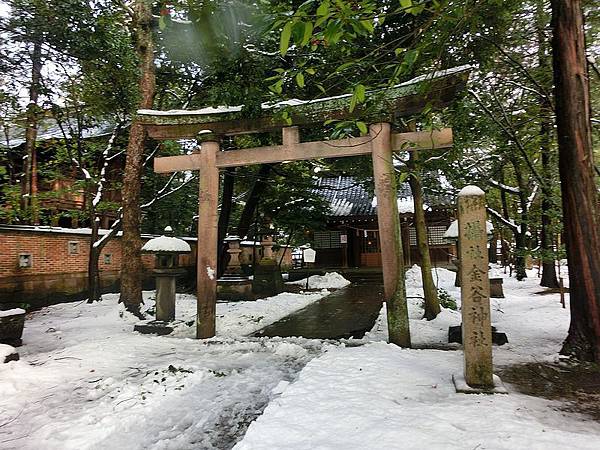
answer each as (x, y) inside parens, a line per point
(475, 289)
(389, 233)
(208, 219)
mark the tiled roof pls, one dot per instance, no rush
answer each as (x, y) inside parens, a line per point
(348, 196)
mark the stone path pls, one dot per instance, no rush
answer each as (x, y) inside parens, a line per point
(349, 312)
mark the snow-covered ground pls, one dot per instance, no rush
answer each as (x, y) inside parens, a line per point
(86, 381)
(380, 396)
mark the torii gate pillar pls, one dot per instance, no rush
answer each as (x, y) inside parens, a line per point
(208, 220)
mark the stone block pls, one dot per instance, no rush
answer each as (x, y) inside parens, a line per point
(154, 327)
(496, 290)
(267, 279)
(455, 335)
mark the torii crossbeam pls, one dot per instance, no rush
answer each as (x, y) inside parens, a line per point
(406, 99)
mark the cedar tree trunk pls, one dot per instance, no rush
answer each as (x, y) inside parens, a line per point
(578, 184)
(132, 269)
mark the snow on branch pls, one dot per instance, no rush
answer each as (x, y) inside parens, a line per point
(504, 187)
(162, 193)
(533, 195)
(101, 180)
(509, 223)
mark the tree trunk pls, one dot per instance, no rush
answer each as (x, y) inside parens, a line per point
(432, 304)
(253, 198)
(226, 206)
(132, 269)
(547, 257)
(549, 278)
(521, 232)
(578, 184)
(29, 186)
(93, 269)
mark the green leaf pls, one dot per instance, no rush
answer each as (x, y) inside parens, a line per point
(321, 88)
(353, 102)
(162, 23)
(360, 91)
(323, 8)
(367, 25)
(308, 29)
(286, 33)
(277, 87)
(345, 66)
(406, 4)
(310, 71)
(300, 79)
(362, 127)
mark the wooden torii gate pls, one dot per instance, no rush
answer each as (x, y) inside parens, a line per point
(209, 124)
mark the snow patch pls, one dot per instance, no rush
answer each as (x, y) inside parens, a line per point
(331, 280)
(210, 272)
(12, 312)
(6, 350)
(470, 190)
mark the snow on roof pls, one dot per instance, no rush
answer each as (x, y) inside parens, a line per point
(166, 244)
(49, 128)
(294, 102)
(452, 231)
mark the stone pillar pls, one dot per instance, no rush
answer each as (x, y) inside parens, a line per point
(165, 297)
(475, 289)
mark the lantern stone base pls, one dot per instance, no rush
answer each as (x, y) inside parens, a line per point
(496, 290)
(154, 327)
(235, 288)
(267, 279)
(463, 388)
(455, 335)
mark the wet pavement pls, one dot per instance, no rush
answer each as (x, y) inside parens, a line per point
(348, 312)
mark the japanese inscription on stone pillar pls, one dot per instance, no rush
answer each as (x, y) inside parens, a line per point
(475, 288)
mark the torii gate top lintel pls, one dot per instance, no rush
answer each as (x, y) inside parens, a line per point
(437, 90)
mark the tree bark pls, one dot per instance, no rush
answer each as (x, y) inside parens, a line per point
(93, 269)
(547, 257)
(132, 269)
(521, 232)
(258, 188)
(578, 184)
(432, 304)
(224, 216)
(29, 186)
(549, 278)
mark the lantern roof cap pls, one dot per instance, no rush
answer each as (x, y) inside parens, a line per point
(166, 244)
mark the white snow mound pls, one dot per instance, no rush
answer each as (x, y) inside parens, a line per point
(331, 280)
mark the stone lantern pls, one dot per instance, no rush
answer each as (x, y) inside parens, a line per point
(267, 279)
(166, 271)
(234, 285)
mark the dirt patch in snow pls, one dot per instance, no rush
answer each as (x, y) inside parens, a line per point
(577, 384)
